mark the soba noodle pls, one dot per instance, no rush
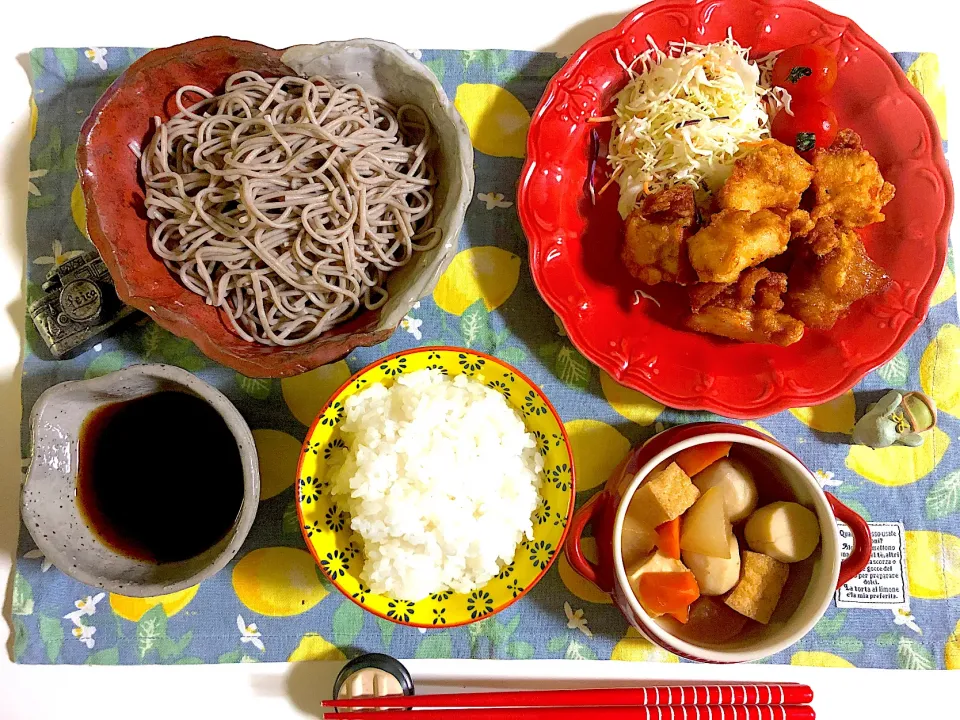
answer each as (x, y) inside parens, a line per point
(287, 202)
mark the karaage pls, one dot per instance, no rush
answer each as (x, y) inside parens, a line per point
(847, 183)
(771, 176)
(831, 271)
(736, 240)
(747, 310)
(657, 230)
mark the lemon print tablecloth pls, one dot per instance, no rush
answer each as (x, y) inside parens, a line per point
(271, 604)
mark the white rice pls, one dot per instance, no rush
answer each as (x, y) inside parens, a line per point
(441, 480)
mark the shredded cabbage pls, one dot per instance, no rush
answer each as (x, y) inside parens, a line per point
(683, 118)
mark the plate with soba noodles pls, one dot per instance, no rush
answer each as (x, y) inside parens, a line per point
(277, 207)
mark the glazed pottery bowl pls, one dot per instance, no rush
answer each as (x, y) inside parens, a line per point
(49, 506)
(810, 585)
(113, 193)
(634, 332)
(338, 551)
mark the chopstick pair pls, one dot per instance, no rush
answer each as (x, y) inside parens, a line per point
(607, 712)
(755, 701)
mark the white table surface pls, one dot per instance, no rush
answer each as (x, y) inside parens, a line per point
(282, 690)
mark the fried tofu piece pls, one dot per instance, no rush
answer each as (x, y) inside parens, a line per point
(736, 240)
(848, 184)
(655, 250)
(747, 310)
(761, 582)
(831, 271)
(665, 496)
(770, 176)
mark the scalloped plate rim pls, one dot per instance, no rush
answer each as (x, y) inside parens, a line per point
(691, 400)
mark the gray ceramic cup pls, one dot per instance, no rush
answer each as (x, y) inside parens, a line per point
(48, 503)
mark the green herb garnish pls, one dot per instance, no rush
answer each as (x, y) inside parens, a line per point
(805, 141)
(797, 72)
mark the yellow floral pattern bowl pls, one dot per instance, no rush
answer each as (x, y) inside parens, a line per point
(339, 552)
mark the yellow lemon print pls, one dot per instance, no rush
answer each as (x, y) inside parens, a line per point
(836, 416)
(758, 427)
(78, 209)
(924, 75)
(578, 585)
(636, 648)
(899, 465)
(314, 647)
(480, 272)
(933, 564)
(940, 370)
(278, 581)
(498, 122)
(634, 406)
(597, 449)
(951, 651)
(33, 118)
(278, 454)
(820, 659)
(305, 394)
(134, 608)
(945, 288)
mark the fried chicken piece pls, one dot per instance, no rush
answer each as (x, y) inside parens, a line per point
(848, 184)
(830, 272)
(657, 230)
(771, 176)
(799, 222)
(747, 310)
(735, 240)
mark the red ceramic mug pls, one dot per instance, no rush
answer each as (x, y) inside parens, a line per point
(807, 594)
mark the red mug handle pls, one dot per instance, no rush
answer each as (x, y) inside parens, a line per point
(862, 541)
(574, 552)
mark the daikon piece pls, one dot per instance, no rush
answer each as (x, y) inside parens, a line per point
(705, 528)
(636, 540)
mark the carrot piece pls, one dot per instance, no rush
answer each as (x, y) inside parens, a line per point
(672, 593)
(700, 457)
(668, 538)
(681, 615)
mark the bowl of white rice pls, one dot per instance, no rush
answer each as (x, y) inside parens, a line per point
(435, 486)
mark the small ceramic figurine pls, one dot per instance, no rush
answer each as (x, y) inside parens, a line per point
(896, 420)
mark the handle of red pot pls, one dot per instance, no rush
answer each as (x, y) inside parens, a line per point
(574, 552)
(862, 541)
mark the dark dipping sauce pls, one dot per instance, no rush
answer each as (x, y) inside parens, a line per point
(160, 477)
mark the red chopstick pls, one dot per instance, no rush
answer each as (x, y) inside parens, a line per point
(650, 712)
(758, 694)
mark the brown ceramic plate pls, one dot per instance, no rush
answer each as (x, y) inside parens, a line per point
(109, 176)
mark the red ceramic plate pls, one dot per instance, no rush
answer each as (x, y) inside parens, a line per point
(574, 246)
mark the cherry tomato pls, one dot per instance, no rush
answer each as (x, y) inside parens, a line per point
(813, 125)
(805, 71)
